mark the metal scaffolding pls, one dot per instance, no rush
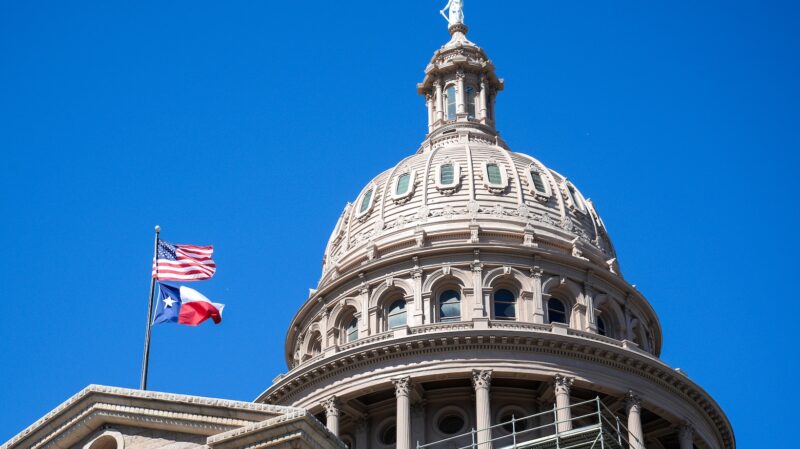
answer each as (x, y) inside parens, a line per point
(590, 425)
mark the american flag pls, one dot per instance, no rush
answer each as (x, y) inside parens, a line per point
(183, 262)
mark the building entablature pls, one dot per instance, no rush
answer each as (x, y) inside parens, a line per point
(511, 350)
(98, 414)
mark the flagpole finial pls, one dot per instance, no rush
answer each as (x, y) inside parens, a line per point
(158, 229)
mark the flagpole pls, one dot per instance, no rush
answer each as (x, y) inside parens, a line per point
(146, 356)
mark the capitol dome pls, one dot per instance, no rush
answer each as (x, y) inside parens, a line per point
(470, 284)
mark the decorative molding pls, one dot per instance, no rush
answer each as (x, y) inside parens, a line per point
(332, 406)
(402, 386)
(482, 378)
(563, 383)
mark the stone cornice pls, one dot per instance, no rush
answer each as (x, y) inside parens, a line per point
(525, 338)
(97, 404)
(276, 430)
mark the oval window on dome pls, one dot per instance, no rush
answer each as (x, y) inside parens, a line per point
(402, 184)
(493, 173)
(446, 174)
(366, 202)
(576, 198)
(538, 182)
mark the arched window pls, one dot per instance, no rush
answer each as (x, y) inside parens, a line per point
(351, 331)
(402, 184)
(450, 306)
(316, 346)
(505, 305)
(601, 327)
(366, 202)
(450, 97)
(556, 311)
(446, 174)
(397, 314)
(470, 101)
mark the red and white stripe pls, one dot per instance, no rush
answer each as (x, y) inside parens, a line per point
(194, 264)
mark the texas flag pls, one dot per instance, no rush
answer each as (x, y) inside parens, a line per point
(184, 305)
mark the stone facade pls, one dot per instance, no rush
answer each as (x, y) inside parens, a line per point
(469, 294)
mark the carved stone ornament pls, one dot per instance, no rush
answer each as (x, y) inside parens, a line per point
(482, 378)
(402, 386)
(563, 383)
(474, 233)
(331, 406)
(632, 400)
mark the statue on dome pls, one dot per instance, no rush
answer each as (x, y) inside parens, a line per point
(456, 14)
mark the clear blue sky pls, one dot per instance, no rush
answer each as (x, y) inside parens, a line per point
(250, 124)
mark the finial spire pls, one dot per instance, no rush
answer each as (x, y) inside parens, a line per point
(455, 16)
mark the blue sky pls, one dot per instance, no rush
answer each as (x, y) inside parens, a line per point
(250, 124)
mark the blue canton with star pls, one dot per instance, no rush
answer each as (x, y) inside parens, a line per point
(168, 306)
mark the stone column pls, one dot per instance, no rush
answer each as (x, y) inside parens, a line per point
(402, 390)
(461, 95)
(482, 380)
(484, 99)
(439, 101)
(331, 406)
(686, 435)
(362, 433)
(563, 412)
(633, 406)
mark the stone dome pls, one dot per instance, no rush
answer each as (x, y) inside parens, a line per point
(521, 202)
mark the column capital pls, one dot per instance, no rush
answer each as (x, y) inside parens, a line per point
(563, 383)
(402, 386)
(685, 430)
(331, 406)
(632, 400)
(481, 378)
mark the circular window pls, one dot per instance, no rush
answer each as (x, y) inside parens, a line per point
(451, 424)
(389, 435)
(518, 426)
